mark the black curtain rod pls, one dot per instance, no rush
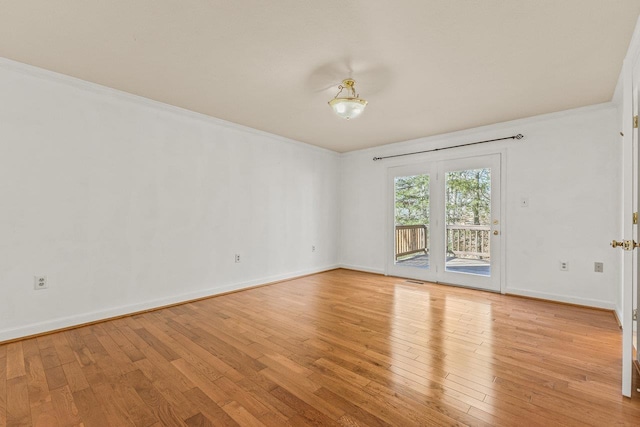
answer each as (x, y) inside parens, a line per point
(518, 136)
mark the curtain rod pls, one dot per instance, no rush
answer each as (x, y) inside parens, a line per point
(518, 136)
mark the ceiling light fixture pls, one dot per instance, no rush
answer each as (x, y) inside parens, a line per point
(349, 106)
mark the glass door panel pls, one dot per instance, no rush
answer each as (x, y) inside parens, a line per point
(468, 221)
(409, 249)
(411, 221)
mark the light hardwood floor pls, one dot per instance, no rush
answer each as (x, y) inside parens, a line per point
(337, 348)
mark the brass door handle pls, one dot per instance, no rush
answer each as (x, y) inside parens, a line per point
(495, 232)
(627, 245)
(615, 244)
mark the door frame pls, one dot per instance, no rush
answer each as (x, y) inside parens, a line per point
(424, 163)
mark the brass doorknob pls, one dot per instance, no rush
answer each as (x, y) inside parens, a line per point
(615, 244)
(495, 232)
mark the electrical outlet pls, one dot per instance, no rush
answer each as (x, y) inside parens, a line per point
(313, 248)
(40, 282)
(598, 267)
(564, 266)
(237, 257)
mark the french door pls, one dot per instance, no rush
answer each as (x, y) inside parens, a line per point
(630, 203)
(444, 222)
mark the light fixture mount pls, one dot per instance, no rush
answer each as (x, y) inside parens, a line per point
(349, 83)
(349, 106)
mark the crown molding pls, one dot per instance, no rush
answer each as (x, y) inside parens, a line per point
(105, 91)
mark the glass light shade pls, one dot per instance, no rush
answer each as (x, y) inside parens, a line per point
(348, 108)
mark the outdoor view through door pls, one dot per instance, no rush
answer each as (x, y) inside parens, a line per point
(468, 221)
(412, 220)
(446, 221)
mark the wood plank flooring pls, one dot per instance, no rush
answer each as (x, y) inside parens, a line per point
(340, 348)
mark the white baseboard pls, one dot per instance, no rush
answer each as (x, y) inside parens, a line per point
(361, 268)
(94, 316)
(562, 298)
(618, 313)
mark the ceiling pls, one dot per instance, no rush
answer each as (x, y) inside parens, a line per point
(426, 67)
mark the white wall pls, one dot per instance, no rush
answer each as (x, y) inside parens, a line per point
(126, 204)
(568, 168)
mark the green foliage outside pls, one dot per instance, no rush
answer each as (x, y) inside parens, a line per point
(412, 200)
(468, 196)
(467, 193)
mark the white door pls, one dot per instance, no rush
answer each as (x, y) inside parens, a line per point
(636, 208)
(445, 222)
(630, 189)
(636, 228)
(470, 212)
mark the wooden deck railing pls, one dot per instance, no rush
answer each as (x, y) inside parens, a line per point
(411, 239)
(469, 240)
(462, 240)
